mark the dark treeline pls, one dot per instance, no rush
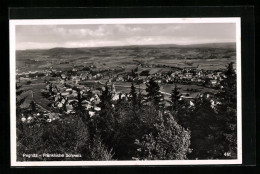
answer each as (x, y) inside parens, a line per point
(139, 127)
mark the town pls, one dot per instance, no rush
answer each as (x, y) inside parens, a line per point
(62, 84)
(98, 104)
(126, 91)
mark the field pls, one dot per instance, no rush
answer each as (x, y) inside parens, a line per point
(36, 89)
(166, 88)
(207, 57)
(202, 56)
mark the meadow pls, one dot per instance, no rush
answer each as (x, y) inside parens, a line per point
(207, 56)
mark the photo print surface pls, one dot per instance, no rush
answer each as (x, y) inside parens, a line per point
(163, 91)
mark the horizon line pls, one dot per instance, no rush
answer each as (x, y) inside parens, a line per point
(126, 46)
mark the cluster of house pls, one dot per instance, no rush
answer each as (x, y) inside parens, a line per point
(196, 76)
(66, 97)
(211, 78)
(185, 75)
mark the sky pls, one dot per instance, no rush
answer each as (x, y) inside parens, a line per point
(100, 35)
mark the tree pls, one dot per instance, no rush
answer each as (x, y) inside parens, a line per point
(175, 97)
(78, 105)
(19, 100)
(133, 73)
(33, 106)
(133, 96)
(140, 99)
(105, 120)
(105, 98)
(167, 141)
(227, 111)
(153, 93)
(136, 69)
(68, 135)
(98, 151)
(203, 124)
(206, 82)
(28, 82)
(127, 129)
(64, 108)
(19, 110)
(145, 73)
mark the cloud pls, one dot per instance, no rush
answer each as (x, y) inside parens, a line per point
(48, 36)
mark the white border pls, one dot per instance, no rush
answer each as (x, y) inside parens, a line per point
(13, 23)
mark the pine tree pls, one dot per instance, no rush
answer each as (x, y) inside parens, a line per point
(78, 106)
(98, 150)
(105, 120)
(140, 98)
(203, 124)
(227, 111)
(175, 96)
(105, 99)
(134, 73)
(133, 96)
(153, 93)
(33, 106)
(64, 108)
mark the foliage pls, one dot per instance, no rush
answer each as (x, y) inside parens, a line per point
(133, 96)
(67, 136)
(204, 126)
(98, 150)
(167, 141)
(132, 129)
(227, 111)
(59, 136)
(134, 73)
(175, 97)
(212, 122)
(33, 106)
(126, 131)
(153, 93)
(78, 105)
(19, 100)
(105, 121)
(145, 73)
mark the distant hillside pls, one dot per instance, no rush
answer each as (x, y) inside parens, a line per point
(66, 50)
(213, 45)
(131, 52)
(217, 55)
(206, 45)
(80, 50)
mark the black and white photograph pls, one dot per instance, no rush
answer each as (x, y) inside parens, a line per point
(133, 91)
